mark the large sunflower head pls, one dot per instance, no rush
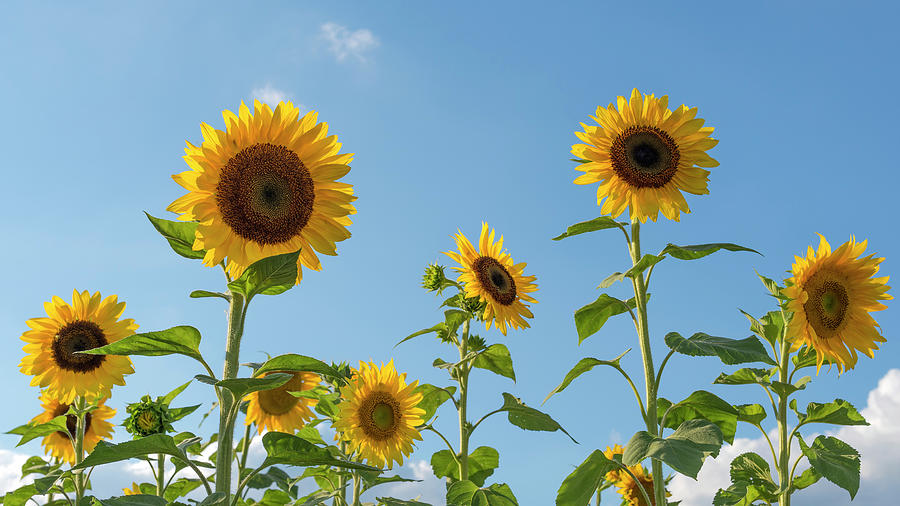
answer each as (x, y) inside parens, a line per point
(830, 295)
(644, 155)
(378, 414)
(266, 185)
(96, 427)
(278, 410)
(490, 274)
(54, 342)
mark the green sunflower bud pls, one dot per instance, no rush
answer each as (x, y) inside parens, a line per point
(148, 417)
(434, 278)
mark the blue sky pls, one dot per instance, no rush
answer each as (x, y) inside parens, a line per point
(457, 114)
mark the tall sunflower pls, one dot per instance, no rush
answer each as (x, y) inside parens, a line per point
(54, 342)
(644, 155)
(58, 443)
(378, 414)
(491, 274)
(831, 294)
(266, 185)
(278, 410)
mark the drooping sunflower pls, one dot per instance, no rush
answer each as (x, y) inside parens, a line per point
(54, 342)
(644, 155)
(831, 294)
(266, 185)
(278, 410)
(609, 453)
(630, 489)
(491, 274)
(378, 414)
(58, 444)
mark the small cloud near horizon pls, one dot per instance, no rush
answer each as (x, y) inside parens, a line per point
(344, 43)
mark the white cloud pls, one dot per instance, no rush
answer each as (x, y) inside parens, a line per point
(878, 444)
(11, 470)
(272, 96)
(343, 43)
(430, 489)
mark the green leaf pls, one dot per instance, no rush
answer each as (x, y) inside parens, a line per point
(432, 398)
(180, 234)
(45, 483)
(696, 251)
(729, 351)
(834, 459)
(105, 453)
(584, 365)
(216, 498)
(529, 418)
(180, 488)
(754, 470)
(179, 413)
(645, 262)
(181, 340)
(169, 397)
(751, 413)
(466, 493)
(371, 479)
(807, 478)
(579, 487)
(482, 463)
(133, 500)
(19, 496)
(35, 465)
(199, 294)
(742, 494)
(29, 431)
(437, 328)
(495, 358)
(290, 450)
(839, 412)
(786, 389)
(601, 223)
(591, 318)
(805, 357)
(296, 363)
(683, 451)
(745, 376)
(269, 276)
(240, 387)
(390, 501)
(771, 286)
(705, 405)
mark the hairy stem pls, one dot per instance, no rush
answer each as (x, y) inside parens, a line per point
(224, 455)
(80, 482)
(784, 499)
(160, 474)
(463, 396)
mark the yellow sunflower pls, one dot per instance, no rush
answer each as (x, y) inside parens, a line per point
(644, 155)
(134, 490)
(630, 489)
(278, 410)
(265, 186)
(58, 444)
(378, 414)
(831, 294)
(490, 274)
(54, 342)
(613, 476)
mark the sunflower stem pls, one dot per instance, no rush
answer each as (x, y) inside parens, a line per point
(463, 396)
(160, 474)
(640, 298)
(783, 438)
(79, 447)
(244, 449)
(356, 489)
(225, 451)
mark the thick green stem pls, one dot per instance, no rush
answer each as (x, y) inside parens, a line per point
(341, 498)
(160, 474)
(784, 442)
(463, 396)
(80, 482)
(224, 454)
(245, 449)
(356, 489)
(640, 298)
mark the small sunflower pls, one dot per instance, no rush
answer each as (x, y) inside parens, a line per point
(134, 490)
(614, 475)
(54, 342)
(58, 444)
(266, 185)
(644, 155)
(630, 489)
(378, 414)
(830, 295)
(490, 274)
(278, 410)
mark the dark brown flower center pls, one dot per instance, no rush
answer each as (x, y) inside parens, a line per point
(71, 420)
(265, 194)
(379, 416)
(79, 335)
(279, 401)
(644, 156)
(495, 279)
(826, 305)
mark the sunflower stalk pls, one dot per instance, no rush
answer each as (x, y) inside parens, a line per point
(463, 396)
(237, 311)
(80, 412)
(784, 499)
(160, 474)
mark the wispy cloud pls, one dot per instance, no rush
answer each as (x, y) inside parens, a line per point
(344, 43)
(429, 489)
(270, 95)
(11, 470)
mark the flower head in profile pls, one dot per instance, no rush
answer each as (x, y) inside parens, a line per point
(831, 294)
(278, 410)
(266, 185)
(644, 156)
(58, 444)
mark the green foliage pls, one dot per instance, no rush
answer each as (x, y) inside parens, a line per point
(591, 318)
(584, 365)
(180, 235)
(32, 431)
(287, 449)
(432, 398)
(643, 264)
(132, 500)
(729, 351)
(805, 357)
(148, 417)
(496, 358)
(696, 251)
(180, 488)
(752, 469)
(466, 493)
(835, 460)
(529, 418)
(390, 501)
(269, 276)
(199, 294)
(601, 223)
(482, 463)
(751, 413)
(297, 363)
(19, 496)
(239, 387)
(105, 453)
(181, 340)
(579, 486)
(702, 405)
(838, 412)
(683, 451)
(747, 376)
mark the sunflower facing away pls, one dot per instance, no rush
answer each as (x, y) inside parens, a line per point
(58, 444)
(267, 185)
(54, 342)
(644, 155)
(278, 410)
(626, 485)
(378, 414)
(490, 274)
(831, 294)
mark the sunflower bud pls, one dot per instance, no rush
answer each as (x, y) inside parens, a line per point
(147, 418)
(434, 278)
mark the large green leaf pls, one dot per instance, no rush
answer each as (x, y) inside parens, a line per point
(729, 351)
(805, 357)
(695, 251)
(496, 358)
(751, 413)
(391, 501)
(180, 235)
(133, 500)
(466, 493)
(19, 496)
(745, 376)
(752, 469)
(807, 478)
(683, 451)
(290, 450)
(579, 487)
(482, 463)
(296, 363)
(584, 365)
(529, 418)
(34, 431)
(601, 223)
(708, 406)
(240, 387)
(591, 318)
(432, 398)
(269, 276)
(834, 459)
(644, 263)
(181, 340)
(105, 453)
(839, 412)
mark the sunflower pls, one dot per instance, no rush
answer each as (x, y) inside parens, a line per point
(830, 295)
(614, 475)
(644, 155)
(134, 490)
(58, 443)
(630, 490)
(278, 410)
(490, 274)
(53, 344)
(266, 186)
(378, 414)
